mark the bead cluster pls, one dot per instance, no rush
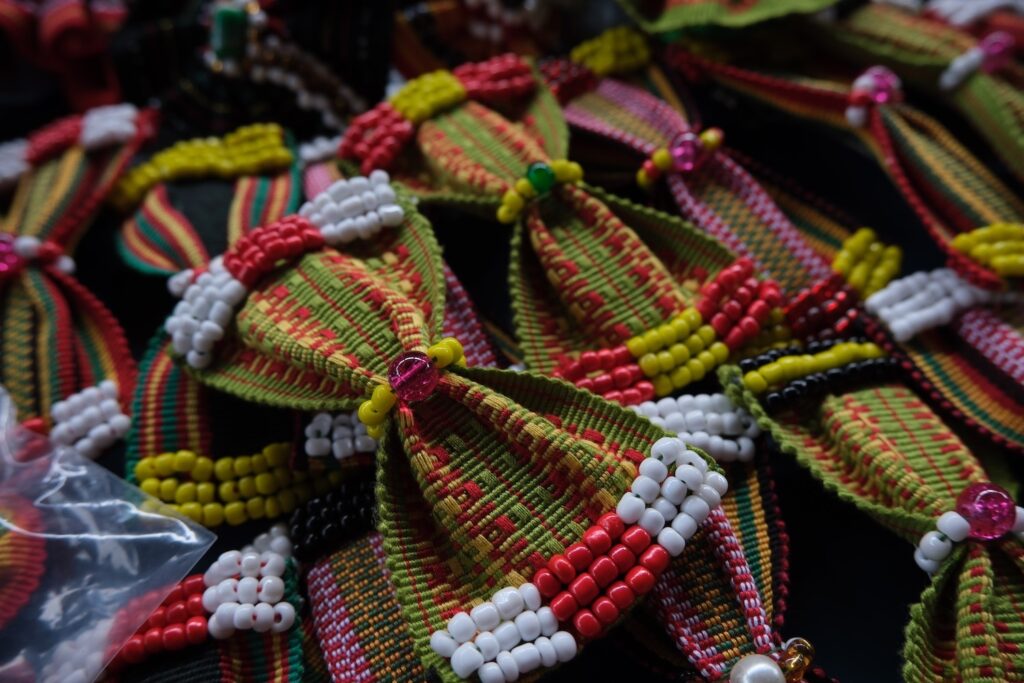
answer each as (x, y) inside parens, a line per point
(428, 95)
(108, 125)
(78, 659)
(984, 512)
(567, 79)
(924, 300)
(90, 420)
(999, 246)
(326, 522)
(877, 85)
(354, 208)
(230, 490)
(685, 155)
(12, 162)
(179, 621)
(708, 422)
(504, 638)
(318, 149)
(827, 309)
(867, 264)
(993, 53)
(208, 305)
(411, 377)
(342, 436)
(250, 150)
(617, 50)
(539, 180)
(784, 367)
(620, 379)
(17, 252)
(246, 591)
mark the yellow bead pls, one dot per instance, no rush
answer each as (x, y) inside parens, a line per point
(375, 432)
(506, 214)
(692, 318)
(144, 469)
(649, 364)
(206, 492)
(755, 381)
(168, 487)
(203, 469)
(283, 476)
(213, 515)
(287, 501)
(1010, 265)
(662, 159)
(525, 189)
(228, 491)
(720, 352)
(224, 469)
(256, 508)
(247, 487)
(235, 513)
(276, 454)
(164, 464)
(680, 354)
(668, 334)
(184, 461)
(369, 415)
(772, 373)
(271, 507)
(455, 345)
(441, 355)
(186, 493)
(681, 377)
(266, 484)
(243, 465)
(870, 350)
(575, 172)
(643, 180)
(259, 463)
(681, 327)
(193, 511)
(712, 139)
(653, 340)
(637, 346)
(662, 385)
(695, 344)
(151, 486)
(707, 359)
(696, 369)
(706, 334)
(665, 361)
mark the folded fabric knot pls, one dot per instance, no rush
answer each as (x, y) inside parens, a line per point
(540, 179)
(18, 252)
(993, 53)
(687, 152)
(999, 246)
(878, 85)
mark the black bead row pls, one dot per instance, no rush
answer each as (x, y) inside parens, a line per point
(325, 523)
(832, 381)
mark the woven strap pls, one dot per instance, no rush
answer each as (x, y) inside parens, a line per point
(677, 14)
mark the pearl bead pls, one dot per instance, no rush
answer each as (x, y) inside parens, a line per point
(666, 508)
(667, 449)
(710, 496)
(271, 589)
(548, 621)
(248, 590)
(443, 644)
(485, 616)
(674, 490)
(696, 507)
(930, 566)
(691, 476)
(263, 618)
(717, 481)
(756, 669)
(509, 602)
(243, 616)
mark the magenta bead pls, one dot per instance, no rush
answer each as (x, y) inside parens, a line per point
(989, 510)
(685, 152)
(9, 259)
(998, 50)
(887, 84)
(413, 376)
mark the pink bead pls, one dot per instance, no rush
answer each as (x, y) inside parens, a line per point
(685, 152)
(887, 84)
(9, 259)
(998, 49)
(989, 510)
(412, 376)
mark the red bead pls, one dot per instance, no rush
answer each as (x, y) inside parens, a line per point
(621, 355)
(133, 650)
(745, 266)
(597, 539)
(721, 324)
(157, 618)
(760, 311)
(587, 624)
(174, 637)
(621, 594)
(646, 390)
(772, 297)
(177, 613)
(655, 558)
(579, 555)
(743, 295)
(712, 290)
(563, 606)
(749, 326)
(584, 589)
(631, 397)
(613, 396)
(622, 376)
(561, 567)
(732, 309)
(153, 640)
(603, 384)
(734, 339)
(604, 570)
(177, 593)
(546, 582)
(612, 523)
(706, 308)
(636, 539)
(622, 556)
(195, 630)
(605, 610)
(586, 384)
(590, 361)
(606, 359)
(194, 605)
(728, 279)
(640, 579)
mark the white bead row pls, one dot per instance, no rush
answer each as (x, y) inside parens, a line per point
(670, 507)
(28, 248)
(709, 422)
(89, 421)
(927, 299)
(108, 125)
(951, 527)
(342, 436)
(305, 99)
(12, 161)
(244, 589)
(319, 149)
(80, 659)
(274, 539)
(354, 208)
(500, 639)
(206, 310)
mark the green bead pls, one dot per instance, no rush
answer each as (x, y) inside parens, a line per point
(228, 36)
(541, 177)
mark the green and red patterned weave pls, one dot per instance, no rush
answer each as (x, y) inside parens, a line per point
(662, 16)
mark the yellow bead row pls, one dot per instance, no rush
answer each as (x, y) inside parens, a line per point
(515, 198)
(678, 352)
(999, 246)
(232, 489)
(250, 150)
(374, 411)
(617, 50)
(867, 264)
(789, 368)
(424, 97)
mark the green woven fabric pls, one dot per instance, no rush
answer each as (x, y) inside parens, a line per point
(671, 15)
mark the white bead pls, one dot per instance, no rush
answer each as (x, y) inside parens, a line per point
(243, 617)
(528, 625)
(220, 630)
(715, 425)
(710, 496)
(691, 476)
(487, 644)
(565, 645)
(667, 449)
(654, 469)
(263, 618)
(935, 546)
(672, 541)
(673, 490)
(281, 546)
(685, 525)
(391, 215)
(675, 423)
(443, 644)
(548, 656)
(461, 627)
(509, 602)
(466, 660)
(284, 617)
(691, 458)
(695, 421)
(485, 616)
(696, 507)
(272, 562)
(930, 566)
(1018, 524)
(646, 488)
(531, 596)
(746, 446)
(527, 657)
(666, 508)
(651, 521)
(227, 590)
(491, 673)
(717, 481)
(248, 590)
(507, 635)
(756, 669)
(667, 406)
(630, 508)
(508, 665)
(271, 589)
(230, 560)
(954, 526)
(342, 448)
(731, 424)
(548, 621)
(250, 564)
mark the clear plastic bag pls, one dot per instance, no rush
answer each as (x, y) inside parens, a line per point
(85, 557)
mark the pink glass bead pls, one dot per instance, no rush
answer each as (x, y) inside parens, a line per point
(887, 85)
(9, 259)
(989, 510)
(412, 376)
(998, 50)
(685, 152)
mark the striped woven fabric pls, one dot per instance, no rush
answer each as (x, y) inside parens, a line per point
(672, 15)
(919, 49)
(159, 239)
(56, 338)
(886, 452)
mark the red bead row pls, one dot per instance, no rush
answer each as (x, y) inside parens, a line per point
(261, 251)
(500, 78)
(737, 305)
(50, 141)
(179, 621)
(375, 138)
(594, 581)
(620, 380)
(567, 79)
(824, 310)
